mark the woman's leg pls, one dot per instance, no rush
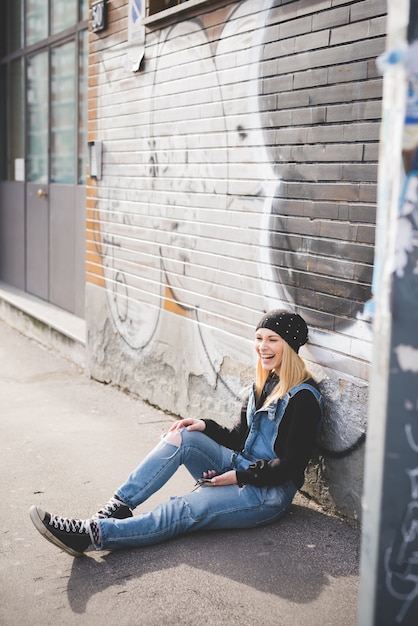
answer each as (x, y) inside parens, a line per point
(193, 449)
(208, 508)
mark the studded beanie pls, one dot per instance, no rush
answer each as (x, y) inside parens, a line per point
(290, 326)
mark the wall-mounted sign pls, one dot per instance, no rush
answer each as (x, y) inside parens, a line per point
(98, 16)
(135, 47)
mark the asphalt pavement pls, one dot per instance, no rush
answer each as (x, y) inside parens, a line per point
(66, 443)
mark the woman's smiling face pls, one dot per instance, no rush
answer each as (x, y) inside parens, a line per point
(269, 347)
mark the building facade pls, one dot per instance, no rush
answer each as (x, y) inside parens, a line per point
(239, 173)
(233, 151)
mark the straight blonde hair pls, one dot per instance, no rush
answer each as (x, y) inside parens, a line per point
(293, 372)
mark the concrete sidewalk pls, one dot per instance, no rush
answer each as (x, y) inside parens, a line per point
(66, 443)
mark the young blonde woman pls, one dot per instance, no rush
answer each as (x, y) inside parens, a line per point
(246, 476)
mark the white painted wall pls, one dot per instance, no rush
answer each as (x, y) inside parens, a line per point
(239, 175)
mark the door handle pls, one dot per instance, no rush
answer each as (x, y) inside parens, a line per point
(42, 193)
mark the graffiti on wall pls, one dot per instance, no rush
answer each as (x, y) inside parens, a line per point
(401, 564)
(205, 200)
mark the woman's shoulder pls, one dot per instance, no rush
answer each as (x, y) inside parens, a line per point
(305, 385)
(312, 383)
(307, 391)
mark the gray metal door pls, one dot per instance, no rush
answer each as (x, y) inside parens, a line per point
(54, 217)
(62, 188)
(37, 240)
(37, 201)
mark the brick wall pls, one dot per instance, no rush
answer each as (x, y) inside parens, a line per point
(239, 174)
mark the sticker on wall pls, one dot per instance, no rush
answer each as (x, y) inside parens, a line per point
(136, 36)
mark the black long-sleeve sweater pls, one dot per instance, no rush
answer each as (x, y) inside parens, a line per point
(293, 446)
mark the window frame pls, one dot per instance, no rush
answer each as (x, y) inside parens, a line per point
(24, 53)
(188, 7)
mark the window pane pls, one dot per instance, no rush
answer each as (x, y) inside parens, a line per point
(63, 113)
(16, 121)
(161, 5)
(3, 124)
(38, 118)
(63, 15)
(36, 20)
(84, 9)
(82, 107)
(15, 30)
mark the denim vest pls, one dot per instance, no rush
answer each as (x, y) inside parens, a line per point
(263, 424)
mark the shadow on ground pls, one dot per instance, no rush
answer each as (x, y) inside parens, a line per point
(293, 558)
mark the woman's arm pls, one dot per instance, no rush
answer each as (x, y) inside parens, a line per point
(189, 423)
(233, 437)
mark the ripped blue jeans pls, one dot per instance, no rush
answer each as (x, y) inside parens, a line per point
(208, 508)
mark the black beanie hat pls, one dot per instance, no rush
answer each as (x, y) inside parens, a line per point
(290, 326)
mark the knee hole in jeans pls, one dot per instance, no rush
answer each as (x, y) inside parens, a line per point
(173, 437)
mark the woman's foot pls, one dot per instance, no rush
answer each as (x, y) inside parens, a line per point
(114, 508)
(71, 535)
(74, 535)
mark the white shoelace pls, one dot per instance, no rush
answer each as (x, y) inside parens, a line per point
(69, 525)
(110, 507)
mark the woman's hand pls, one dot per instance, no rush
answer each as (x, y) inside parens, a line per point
(189, 423)
(221, 480)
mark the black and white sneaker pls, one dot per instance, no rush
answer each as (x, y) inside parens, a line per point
(114, 508)
(71, 535)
